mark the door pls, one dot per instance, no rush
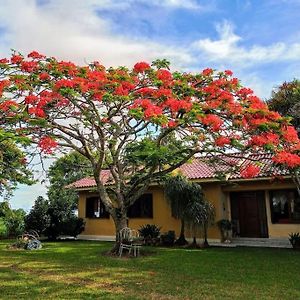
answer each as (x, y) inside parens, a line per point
(248, 210)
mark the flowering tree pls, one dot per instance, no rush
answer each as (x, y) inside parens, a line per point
(139, 123)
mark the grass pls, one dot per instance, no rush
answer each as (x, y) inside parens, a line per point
(79, 270)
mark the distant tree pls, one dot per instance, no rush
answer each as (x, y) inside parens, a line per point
(285, 99)
(38, 218)
(53, 219)
(63, 171)
(13, 220)
(13, 164)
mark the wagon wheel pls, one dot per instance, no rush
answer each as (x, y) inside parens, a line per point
(34, 233)
(27, 236)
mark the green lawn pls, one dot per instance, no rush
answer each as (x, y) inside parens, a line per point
(79, 270)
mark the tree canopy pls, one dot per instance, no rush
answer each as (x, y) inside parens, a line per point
(140, 123)
(64, 171)
(13, 163)
(286, 100)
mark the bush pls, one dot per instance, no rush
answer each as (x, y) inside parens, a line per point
(53, 219)
(149, 231)
(73, 226)
(168, 238)
(3, 228)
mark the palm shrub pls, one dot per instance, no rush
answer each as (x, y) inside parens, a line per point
(199, 212)
(178, 193)
(149, 231)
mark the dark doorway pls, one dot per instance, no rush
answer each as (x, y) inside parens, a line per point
(248, 213)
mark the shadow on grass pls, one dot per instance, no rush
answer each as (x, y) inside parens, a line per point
(78, 269)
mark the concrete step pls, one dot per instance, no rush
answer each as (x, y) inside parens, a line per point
(262, 242)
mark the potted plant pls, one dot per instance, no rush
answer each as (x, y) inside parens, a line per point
(294, 239)
(225, 227)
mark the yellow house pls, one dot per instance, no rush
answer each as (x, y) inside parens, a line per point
(260, 207)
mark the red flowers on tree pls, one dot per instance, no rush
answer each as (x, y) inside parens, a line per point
(47, 144)
(250, 171)
(141, 67)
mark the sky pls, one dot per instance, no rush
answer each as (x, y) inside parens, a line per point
(259, 40)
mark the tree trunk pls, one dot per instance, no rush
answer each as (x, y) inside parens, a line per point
(120, 219)
(205, 244)
(181, 241)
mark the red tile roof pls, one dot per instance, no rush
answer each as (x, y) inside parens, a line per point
(88, 182)
(200, 168)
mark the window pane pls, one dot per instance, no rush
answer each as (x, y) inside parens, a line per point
(285, 206)
(95, 208)
(142, 207)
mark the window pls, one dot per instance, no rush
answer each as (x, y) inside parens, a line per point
(285, 206)
(95, 208)
(142, 207)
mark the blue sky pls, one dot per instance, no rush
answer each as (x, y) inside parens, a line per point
(258, 40)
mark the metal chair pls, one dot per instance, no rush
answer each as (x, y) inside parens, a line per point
(129, 240)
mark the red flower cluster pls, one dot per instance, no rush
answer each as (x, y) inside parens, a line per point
(290, 134)
(36, 55)
(222, 141)
(150, 109)
(164, 75)
(64, 83)
(207, 71)
(29, 66)
(141, 67)
(44, 76)
(264, 139)
(176, 105)
(286, 158)
(3, 85)
(8, 104)
(213, 121)
(16, 59)
(31, 99)
(250, 171)
(47, 144)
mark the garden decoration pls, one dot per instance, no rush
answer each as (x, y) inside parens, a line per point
(29, 241)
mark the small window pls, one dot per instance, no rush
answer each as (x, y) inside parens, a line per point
(285, 206)
(95, 208)
(142, 207)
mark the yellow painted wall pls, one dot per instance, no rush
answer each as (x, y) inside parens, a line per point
(216, 193)
(162, 216)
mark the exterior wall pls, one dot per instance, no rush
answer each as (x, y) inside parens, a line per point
(275, 230)
(216, 193)
(161, 214)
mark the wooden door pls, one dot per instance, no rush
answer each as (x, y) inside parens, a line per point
(249, 209)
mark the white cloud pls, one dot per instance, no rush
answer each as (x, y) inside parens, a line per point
(228, 48)
(75, 32)
(172, 4)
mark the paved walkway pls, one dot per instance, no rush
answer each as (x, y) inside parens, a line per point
(256, 242)
(236, 242)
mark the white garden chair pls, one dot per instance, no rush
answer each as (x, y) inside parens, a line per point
(129, 240)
